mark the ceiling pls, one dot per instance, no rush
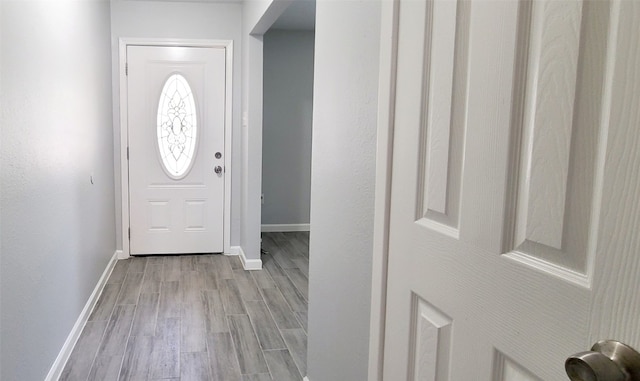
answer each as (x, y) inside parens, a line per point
(300, 15)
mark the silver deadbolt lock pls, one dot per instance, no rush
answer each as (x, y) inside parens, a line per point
(608, 360)
(218, 169)
(218, 155)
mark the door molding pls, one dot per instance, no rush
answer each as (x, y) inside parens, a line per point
(124, 127)
(382, 201)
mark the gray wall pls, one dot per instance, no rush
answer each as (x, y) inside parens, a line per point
(286, 128)
(342, 188)
(57, 228)
(185, 20)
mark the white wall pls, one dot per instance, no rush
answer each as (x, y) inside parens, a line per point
(253, 14)
(57, 228)
(257, 18)
(185, 20)
(342, 188)
(286, 128)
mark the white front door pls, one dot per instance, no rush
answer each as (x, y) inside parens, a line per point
(176, 116)
(514, 236)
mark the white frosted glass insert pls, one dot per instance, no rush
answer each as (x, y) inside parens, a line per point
(177, 126)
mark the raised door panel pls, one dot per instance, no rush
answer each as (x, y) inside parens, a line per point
(494, 197)
(442, 49)
(431, 343)
(557, 120)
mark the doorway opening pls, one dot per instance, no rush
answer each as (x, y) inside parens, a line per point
(288, 73)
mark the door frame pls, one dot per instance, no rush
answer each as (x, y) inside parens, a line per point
(382, 201)
(124, 127)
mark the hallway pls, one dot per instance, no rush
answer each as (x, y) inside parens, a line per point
(200, 317)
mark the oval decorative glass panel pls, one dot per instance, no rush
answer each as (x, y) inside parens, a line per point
(177, 126)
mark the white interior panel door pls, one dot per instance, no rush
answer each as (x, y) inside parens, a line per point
(515, 197)
(176, 106)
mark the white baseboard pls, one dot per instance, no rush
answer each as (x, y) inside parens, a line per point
(121, 255)
(67, 348)
(234, 250)
(269, 228)
(248, 264)
(305, 378)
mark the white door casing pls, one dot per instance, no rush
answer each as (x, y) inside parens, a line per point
(515, 173)
(171, 212)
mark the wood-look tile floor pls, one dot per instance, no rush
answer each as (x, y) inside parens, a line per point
(200, 317)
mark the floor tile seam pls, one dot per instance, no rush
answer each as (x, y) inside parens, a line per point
(112, 308)
(227, 314)
(206, 345)
(285, 299)
(235, 349)
(294, 252)
(302, 324)
(102, 337)
(255, 374)
(153, 352)
(240, 297)
(144, 277)
(148, 370)
(139, 291)
(255, 329)
(268, 367)
(291, 352)
(296, 287)
(284, 348)
(273, 316)
(126, 304)
(293, 329)
(275, 350)
(269, 271)
(281, 265)
(121, 288)
(250, 276)
(243, 298)
(267, 274)
(157, 312)
(255, 332)
(205, 351)
(124, 354)
(95, 355)
(295, 313)
(120, 367)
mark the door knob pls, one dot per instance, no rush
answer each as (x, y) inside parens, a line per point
(608, 360)
(218, 169)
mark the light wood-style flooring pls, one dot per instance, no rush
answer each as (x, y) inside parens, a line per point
(200, 317)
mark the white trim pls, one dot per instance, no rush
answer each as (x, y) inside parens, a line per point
(384, 154)
(228, 126)
(233, 250)
(120, 255)
(249, 264)
(74, 335)
(285, 228)
(306, 378)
